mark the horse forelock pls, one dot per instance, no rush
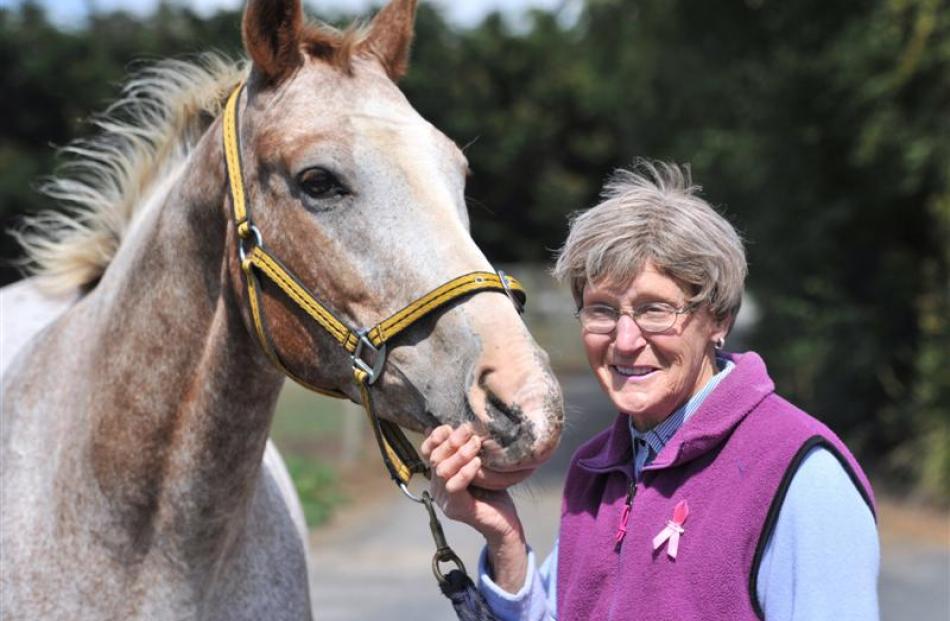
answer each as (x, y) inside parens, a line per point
(336, 47)
(161, 114)
(340, 47)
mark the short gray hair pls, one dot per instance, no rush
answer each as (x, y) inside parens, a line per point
(652, 212)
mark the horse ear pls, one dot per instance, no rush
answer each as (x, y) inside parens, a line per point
(272, 34)
(390, 36)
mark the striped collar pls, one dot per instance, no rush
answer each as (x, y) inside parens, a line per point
(648, 444)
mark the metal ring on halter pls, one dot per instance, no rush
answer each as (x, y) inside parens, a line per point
(410, 495)
(256, 239)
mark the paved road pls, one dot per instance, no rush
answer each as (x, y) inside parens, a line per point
(374, 562)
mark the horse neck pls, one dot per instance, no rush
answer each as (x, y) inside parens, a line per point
(189, 397)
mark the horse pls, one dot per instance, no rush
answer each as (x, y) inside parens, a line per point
(138, 481)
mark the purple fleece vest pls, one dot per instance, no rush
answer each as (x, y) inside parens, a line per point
(732, 462)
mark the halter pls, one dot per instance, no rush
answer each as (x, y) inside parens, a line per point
(367, 348)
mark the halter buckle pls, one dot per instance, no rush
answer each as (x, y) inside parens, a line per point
(374, 367)
(503, 277)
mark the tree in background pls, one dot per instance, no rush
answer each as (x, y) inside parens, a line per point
(819, 127)
(54, 81)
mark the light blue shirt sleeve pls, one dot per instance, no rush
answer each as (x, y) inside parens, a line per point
(823, 558)
(821, 562)
(535, 601)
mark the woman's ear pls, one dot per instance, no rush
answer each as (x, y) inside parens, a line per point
(721, 329)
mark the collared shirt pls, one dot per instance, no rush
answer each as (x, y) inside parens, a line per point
(649, 443)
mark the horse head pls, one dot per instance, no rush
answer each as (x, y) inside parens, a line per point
(363, 200)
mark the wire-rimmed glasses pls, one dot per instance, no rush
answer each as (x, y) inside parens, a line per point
(651, 317)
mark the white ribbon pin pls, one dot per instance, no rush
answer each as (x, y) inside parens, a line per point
(673, 530)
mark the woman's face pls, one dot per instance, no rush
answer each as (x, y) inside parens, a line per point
(648, 376)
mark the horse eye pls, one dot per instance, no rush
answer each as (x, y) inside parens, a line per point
(320, 183)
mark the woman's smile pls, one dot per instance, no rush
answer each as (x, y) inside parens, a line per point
(635, 373)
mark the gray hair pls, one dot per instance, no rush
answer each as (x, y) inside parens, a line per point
(652, 213)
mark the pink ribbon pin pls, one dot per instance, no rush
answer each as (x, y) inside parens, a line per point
(673, 530)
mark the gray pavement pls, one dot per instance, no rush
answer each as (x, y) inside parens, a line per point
(373, 562)
(915, 582)
(377, 564)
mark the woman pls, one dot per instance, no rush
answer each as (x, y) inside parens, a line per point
(709, 497)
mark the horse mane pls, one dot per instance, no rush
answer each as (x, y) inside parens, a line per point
(161, 114)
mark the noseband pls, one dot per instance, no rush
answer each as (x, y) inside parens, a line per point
(366, 348)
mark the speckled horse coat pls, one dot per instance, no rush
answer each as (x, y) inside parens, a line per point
(135, 420)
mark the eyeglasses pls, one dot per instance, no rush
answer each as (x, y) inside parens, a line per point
(652, 317)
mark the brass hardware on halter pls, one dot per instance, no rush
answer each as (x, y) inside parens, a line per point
(443, 553)
(399, 456)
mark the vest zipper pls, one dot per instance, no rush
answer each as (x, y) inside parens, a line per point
(625, 515)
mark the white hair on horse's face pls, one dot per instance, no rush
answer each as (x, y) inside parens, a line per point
(653, 213)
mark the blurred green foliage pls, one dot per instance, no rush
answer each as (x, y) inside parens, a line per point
(820, 127)
(317, 486)
(307, 430)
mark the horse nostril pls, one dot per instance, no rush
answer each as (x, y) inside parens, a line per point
(504, 420)
(511, 412)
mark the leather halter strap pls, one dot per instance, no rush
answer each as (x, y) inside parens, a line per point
(256, 261)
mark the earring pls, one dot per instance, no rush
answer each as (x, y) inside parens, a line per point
(719, 343)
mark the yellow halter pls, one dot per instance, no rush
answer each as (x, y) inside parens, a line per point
(367, 348)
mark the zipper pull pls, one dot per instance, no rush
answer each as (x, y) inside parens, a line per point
(625, 515)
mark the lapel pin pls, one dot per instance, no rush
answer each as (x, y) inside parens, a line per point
(673, 530)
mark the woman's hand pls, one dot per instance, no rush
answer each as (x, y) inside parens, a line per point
(453, 457)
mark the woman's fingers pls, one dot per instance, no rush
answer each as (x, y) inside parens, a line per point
(453, 457)
(463, 476)
(455, 460)
(442, 446)
(435, 438)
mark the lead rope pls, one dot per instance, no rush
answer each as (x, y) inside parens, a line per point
(400, 458)
(469, 604)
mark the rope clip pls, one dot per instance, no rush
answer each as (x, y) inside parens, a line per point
(443, 553)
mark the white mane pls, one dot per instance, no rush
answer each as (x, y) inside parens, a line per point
(161, 115)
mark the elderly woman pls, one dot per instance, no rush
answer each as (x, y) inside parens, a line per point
(709, 496)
